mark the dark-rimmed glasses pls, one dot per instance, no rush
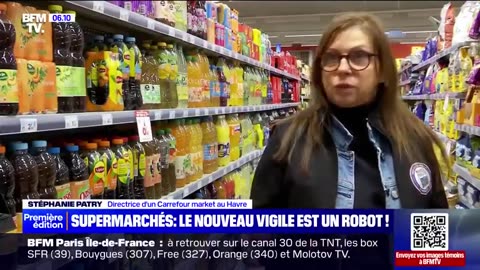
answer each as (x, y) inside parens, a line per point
(357, 60)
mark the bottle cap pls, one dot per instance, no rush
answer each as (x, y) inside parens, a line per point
(72, 148)
(118, 37)
(54, 150)
(91, 146)
(55, 8)
(99, 38)
(2, 148)
(160, 132)
(96, 140)
(168, 130)
(162, 44)
(37, 144)
(125, 140)
(170, 46)
(20, 146)
(130, 39)
(104, 144)
(134, 138)
(117, 141)
(70, 12)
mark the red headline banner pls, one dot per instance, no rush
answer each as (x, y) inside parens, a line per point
(430, 258)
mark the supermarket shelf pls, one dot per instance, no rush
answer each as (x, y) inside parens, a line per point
(405, 68)
(104, 10)
(465, 174)
(436, 96)
(47, 122)
(444, 138)
(435, 58)
(181, 193)
(474, 130)
(305, 78)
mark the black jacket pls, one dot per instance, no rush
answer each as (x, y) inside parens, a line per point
(283, 185)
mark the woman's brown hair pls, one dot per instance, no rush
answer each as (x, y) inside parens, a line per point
(404, 129)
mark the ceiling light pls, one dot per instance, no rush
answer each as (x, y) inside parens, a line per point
(311, 35)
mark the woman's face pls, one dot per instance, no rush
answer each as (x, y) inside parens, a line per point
(353, 84)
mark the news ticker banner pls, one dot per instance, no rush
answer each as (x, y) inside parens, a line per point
(447, 238)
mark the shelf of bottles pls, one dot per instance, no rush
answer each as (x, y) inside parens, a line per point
(99, 9)
(10, 125)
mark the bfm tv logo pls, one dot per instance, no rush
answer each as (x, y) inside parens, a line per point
(34, 22)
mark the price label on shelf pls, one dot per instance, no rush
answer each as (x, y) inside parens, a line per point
(210, 179)
(107, 119)
(216, 110)
(28, 125)
(197, 112)
(204, 44)
(150, 24)
(199, 185)
(223, 110)
(222, 50)
(185, 113)
(71, 121)
(124, 15)
(158, 115)
(184, 36)
(205, 111)
(171, 115)
(144, 126)
(445, 104)
(98, 6)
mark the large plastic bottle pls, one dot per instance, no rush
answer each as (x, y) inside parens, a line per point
(139, 165)
(62, 41)
(204, 79)
(194, 95)
(150, 82)
(223, 140)
(78, 66)
(123, 188)
(8, 66)
(214, 87)
(157, 167)
(235, 136)
(7, 181)
(181, 153)
(135, 68)
(79, 184)
(181, 15)
(189, 166)
(198, 148)
(163, 57)
(111, 169)
(46, 170)
(96, 170)
(128, 155)
(148, 184)
(164, 157)
(172, 58)
(172, 154)
(182, 80)
(26, 179)
(118, 46)
(223, 83)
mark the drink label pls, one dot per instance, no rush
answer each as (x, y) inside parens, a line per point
(113, 173)
(142, 165)
(123, 168)
(150, 93)
(135, 160)
(97, 175)
(149, 172)
(157, 168)
(65, 85)
(79, 88)
(8, 86)
(206, 89)
(172, 151)
(182, 86)
(63, 192)
(209, 151)
(180, 167)
(80, 190)
(223, 150)
(189, 168)
(198, 161)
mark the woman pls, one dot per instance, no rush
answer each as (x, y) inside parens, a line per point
(357, 145)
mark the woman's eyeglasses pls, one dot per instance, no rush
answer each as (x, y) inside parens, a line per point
(357, 60)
